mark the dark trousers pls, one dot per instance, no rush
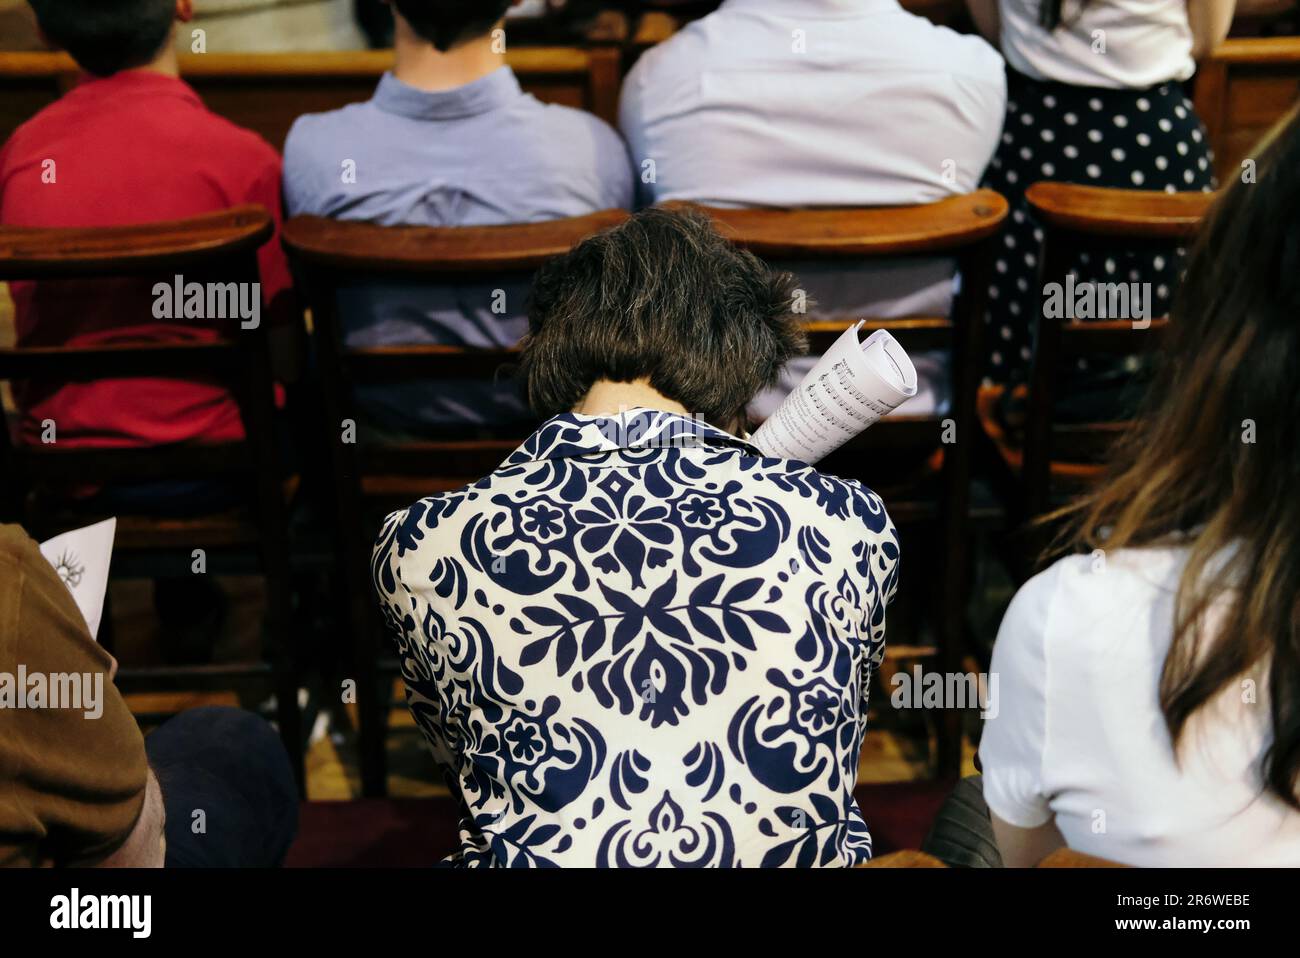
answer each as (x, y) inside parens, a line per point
(962, 834)
(228, 789)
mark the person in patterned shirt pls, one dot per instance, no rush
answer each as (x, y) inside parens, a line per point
(640, 642)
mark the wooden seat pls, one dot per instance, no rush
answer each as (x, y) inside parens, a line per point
(961, 227)
(266, 92)
(1244, 87)
(220, 245)
(1052, 459)
(327, 254)
(1069, 858)
(904, 859)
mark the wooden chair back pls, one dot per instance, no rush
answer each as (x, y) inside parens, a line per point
(1087, 219)
(222, 244)
(217, 247)
(1244, 87)
(329, 254)
(964, 228)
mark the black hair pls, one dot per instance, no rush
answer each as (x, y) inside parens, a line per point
(446, 23)
(107, 36)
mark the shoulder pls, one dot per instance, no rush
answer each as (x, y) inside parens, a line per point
(234, 143)
(562, 123)
(837, 507)
(310, 131)
(1026, 622)
(681, 53)
(38, 129)
(425, 521)
(966, 56)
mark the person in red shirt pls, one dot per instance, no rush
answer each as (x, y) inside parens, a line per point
(132, 143)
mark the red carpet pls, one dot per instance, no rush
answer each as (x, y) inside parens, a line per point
(418, 832)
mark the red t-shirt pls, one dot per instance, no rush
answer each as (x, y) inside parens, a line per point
(136, 147)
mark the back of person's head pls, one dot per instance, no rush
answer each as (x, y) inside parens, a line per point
(449, 23)
(664, 298)
(1214, 460)
(107, 36)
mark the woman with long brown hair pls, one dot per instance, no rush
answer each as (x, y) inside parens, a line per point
(1149, 684)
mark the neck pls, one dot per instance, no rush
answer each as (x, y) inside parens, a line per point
(421, 65)
(166, 62)
(607, 398)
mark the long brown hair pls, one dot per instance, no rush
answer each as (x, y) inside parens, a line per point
(1213, 462)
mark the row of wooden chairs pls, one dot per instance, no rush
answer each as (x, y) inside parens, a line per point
(371, 478)
(1240, 90)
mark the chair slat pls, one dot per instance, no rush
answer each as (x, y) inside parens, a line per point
(930, 228)
(27, 253)
(120, 360)
(198, 460)
(1111, 337)
(375, 251)
(914, 334)
(429, 362)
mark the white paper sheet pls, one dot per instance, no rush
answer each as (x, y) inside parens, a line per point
(852, 386)
(82, 558)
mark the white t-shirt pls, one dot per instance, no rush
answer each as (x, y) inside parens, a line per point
(1109, 43)
(1075, 730)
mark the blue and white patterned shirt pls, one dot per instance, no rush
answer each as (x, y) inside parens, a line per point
(641, 643)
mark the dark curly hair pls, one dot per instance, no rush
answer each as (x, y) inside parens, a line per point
(662, 297)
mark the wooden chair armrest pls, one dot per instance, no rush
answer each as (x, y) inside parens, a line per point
(1101, 211)
(31, 253)
(367, 248)
(939, 227)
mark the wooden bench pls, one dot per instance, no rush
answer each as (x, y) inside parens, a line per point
(1244, 87)
(266, 92)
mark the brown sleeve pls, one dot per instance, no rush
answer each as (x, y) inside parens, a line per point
(71, 785)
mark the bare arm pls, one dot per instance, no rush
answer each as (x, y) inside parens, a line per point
(987, 20)
(1025, 847)
(1210, 21)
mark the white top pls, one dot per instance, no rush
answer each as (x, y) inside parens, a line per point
(1109, 43)
(814, 103)
(1075, 729)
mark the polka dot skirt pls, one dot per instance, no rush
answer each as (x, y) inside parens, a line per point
(1135, 139)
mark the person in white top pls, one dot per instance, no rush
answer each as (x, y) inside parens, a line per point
(1094, 96)
(1148, 706)
(806, 103)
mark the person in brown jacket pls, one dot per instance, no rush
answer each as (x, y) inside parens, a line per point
(81, 786)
